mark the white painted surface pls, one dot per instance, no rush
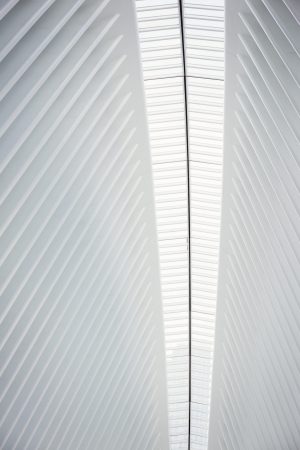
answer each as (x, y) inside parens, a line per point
(82, 345)
(256, 379)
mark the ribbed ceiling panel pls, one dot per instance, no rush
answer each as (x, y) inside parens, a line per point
(204, 49)
(82, 346)
(161, 50)
(256, 387)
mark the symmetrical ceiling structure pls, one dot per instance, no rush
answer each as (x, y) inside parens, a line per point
(109, 326)
(182, 48)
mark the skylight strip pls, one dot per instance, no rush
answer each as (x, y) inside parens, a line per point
(204, 44)
(161, 51)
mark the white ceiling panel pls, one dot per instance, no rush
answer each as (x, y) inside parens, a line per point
(161, 51)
